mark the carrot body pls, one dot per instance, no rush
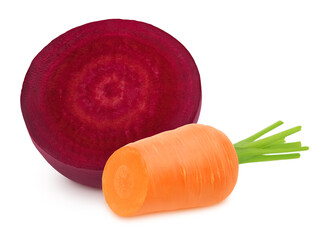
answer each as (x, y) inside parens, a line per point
(192, 166)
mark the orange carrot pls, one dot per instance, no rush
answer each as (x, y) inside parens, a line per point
(192, 166)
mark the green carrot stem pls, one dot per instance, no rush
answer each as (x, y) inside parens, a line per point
(265, 149)
(264, 158)
(268, 140)
(259, 151)
(260, 133)
(284, 145)
(278, 142)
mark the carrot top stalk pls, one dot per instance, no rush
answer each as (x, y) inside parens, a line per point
(265, 149)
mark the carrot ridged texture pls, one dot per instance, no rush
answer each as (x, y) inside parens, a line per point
(192, 166)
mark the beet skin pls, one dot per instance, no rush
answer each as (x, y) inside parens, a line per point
(102, 85)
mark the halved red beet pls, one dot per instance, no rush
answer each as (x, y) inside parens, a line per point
(102, 85)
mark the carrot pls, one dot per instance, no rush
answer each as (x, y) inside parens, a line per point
(192, 166)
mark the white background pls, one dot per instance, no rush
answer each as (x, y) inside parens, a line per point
(260, 61)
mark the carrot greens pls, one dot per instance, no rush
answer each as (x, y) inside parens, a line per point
(265, 149)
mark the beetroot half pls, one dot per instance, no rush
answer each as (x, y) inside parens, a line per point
(102, 85)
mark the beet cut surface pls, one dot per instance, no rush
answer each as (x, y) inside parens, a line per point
(102, 85)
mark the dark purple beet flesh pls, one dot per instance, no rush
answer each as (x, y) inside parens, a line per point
(102, 85)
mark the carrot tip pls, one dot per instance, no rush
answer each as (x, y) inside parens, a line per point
(125, 181)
